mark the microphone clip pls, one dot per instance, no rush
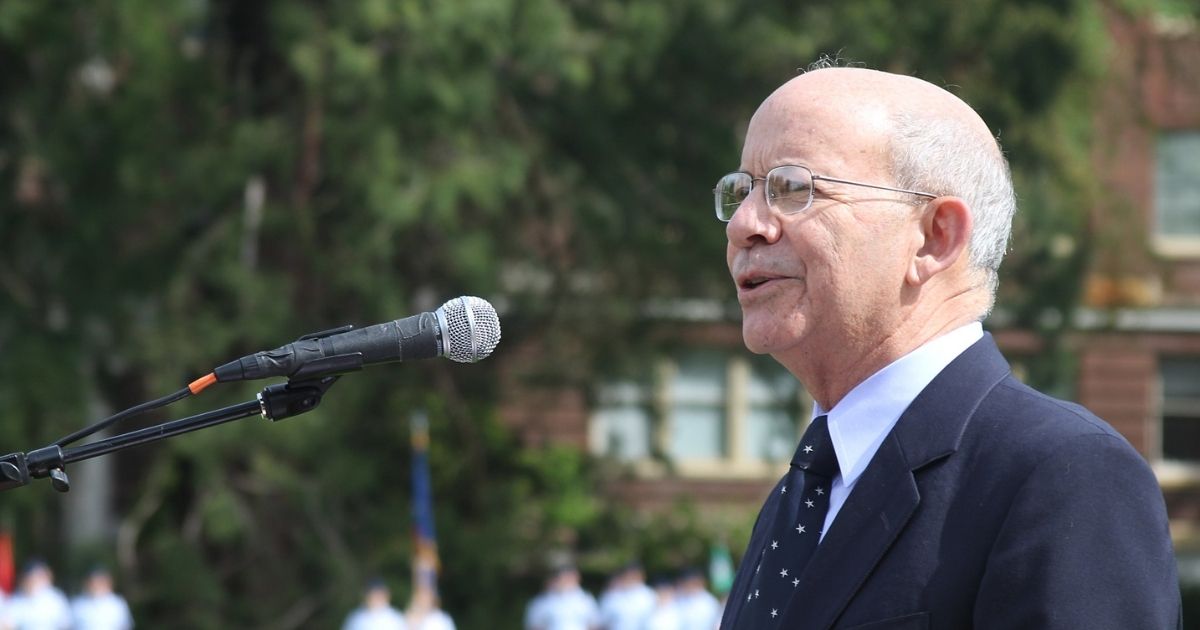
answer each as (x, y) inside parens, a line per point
(327, 333)
(304, 388)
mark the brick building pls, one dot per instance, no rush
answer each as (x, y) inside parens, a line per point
(1139, 345)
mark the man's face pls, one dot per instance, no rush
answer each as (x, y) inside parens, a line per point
(37, 579)
(826, 280)
(378, 597)
(99, 583)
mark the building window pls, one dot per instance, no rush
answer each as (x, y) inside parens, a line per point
(621, 424)
(695, 407)
(1177, 188)
(1181, 409)
(772, 394)
(702, 409)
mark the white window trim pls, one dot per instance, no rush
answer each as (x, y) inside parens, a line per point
(1176, 247)
(1175, 475)
(1171, 473)
(734, 464)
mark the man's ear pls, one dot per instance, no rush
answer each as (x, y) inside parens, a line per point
(946, 230)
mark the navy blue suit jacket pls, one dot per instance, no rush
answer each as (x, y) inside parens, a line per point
(990, 505)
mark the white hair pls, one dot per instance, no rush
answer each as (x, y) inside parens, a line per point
(939, 156)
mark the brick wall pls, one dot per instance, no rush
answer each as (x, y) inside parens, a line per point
(1153, 84)
(1116, 381)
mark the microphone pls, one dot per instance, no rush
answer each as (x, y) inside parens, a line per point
(464, 329)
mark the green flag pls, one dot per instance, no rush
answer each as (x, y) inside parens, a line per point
(720, 569)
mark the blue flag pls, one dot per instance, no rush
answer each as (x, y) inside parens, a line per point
(425, 556)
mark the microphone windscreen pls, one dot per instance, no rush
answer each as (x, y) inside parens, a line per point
(470, 328)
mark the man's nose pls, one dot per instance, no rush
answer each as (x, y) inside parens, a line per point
(753, 222)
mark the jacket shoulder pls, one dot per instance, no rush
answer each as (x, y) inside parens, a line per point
(1016, 413)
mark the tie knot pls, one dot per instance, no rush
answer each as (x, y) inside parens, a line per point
(815, 452)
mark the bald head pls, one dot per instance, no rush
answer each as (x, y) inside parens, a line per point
(927, 139)
(876, 96)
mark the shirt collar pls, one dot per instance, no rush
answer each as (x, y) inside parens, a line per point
(863, 418)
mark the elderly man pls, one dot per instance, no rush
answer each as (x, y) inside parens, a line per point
(932, 490)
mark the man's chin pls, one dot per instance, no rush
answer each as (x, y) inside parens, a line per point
(758, 339)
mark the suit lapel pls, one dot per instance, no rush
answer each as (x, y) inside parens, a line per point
(886, 495)
(883, 500)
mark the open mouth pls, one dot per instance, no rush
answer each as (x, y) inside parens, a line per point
(754, 282)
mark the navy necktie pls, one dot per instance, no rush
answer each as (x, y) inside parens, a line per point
(801, 506)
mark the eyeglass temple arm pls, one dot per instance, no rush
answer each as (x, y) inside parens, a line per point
(903, 190)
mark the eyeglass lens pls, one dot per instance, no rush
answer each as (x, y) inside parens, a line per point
(789, 190)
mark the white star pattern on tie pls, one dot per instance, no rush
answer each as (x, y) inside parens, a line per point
(813, 467)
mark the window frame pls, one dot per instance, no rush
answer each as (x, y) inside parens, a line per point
(1170, 245)
(1170, 472)
(733, 462)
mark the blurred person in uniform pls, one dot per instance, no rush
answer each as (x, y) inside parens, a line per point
(627, 601)
(377, 612)
(98, 607)
(698, 608)
(564, 605)
(37, 604)
(424, 612)
(664, 615)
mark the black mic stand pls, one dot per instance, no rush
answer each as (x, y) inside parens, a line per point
(300, 394)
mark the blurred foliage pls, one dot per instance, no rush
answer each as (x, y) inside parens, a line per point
(1191, 601)
(191, 180)
(1170, 9)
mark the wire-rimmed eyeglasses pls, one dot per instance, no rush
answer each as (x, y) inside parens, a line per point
(789, 190)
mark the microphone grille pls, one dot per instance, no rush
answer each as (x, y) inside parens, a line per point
(472, 329)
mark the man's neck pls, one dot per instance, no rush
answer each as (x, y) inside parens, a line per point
(830, 381)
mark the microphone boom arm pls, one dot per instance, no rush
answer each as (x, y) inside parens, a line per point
(300, 394)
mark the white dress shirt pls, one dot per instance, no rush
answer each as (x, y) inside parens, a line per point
(863, 418)
(101, 611)
(433, 620)
(382, 618)
(626, 607)
(698, 610)
(571, 609)
(45, 609)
